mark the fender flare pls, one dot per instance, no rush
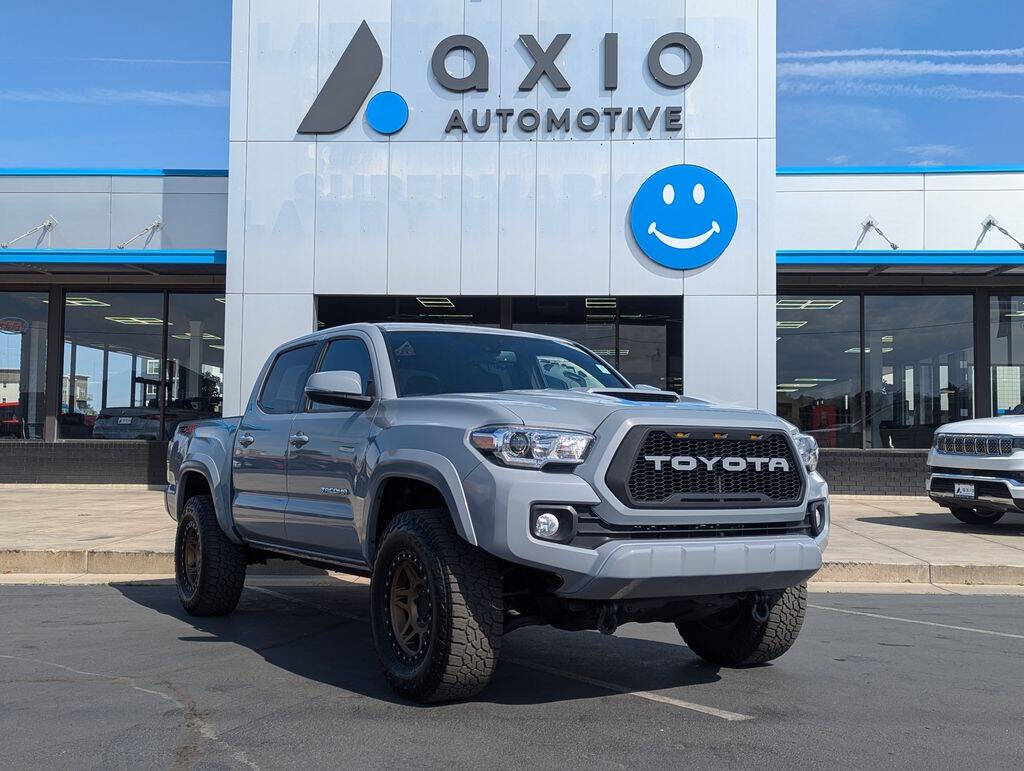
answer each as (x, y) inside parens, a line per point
(425, 466)
(205, 466)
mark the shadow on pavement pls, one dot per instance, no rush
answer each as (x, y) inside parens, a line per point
(1011, 524)
(322, 634)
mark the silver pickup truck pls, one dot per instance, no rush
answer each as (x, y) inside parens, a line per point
(487, 480)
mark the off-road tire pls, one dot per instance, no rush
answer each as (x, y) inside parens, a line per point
(466, 612)
(734, 638)
(215, 590)
(976, 516)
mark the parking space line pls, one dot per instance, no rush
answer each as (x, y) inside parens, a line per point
(915, 621)
(713, 711)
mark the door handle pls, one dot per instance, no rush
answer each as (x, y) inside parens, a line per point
(245, 440)
(298, 439)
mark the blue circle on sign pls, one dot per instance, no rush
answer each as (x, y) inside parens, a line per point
(683, 216)
(387, 112)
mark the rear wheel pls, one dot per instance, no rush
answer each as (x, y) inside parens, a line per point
(435, 608)
(209, 568)
(755, 630)
(976, 516)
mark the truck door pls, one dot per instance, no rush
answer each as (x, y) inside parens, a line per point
(325, 457)
(261, 447)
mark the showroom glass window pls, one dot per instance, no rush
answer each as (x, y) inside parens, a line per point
(818, 366)
(1006, 327)
(111, 380)
(641, 337)
(23, 328)
(918, 366)
(195, 357)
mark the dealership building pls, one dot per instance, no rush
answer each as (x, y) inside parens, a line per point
(581, 168)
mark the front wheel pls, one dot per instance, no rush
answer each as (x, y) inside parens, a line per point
(435, 608)
(755, 630)
(209, 568)
(976, 516)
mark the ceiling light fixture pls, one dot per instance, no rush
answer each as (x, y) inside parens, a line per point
(435, 302)
(141, 321)
(601, 303)
(806, 304)
(790, 324)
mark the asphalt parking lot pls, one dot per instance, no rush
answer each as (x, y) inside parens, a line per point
(117, 676)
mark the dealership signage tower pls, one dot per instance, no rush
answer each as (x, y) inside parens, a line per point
(536, 148)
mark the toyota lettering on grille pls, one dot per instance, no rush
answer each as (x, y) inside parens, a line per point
(689, 463)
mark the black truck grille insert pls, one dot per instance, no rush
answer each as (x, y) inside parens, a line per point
(684, 468)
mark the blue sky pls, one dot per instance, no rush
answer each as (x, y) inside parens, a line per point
(142, 83)
(114, 83)
(900, 82)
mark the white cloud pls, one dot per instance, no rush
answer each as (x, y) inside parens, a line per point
(115, 60)
(839, 160)
(923, 151)
(892, 90)
(893, 68)
(110, 96)
(935, 53)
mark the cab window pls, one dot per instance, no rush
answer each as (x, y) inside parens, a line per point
(283, 390)
(352, 355)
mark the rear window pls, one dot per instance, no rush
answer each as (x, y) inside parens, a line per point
(428, 363)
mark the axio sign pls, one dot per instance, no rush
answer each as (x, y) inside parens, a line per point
(362, 61)
(682, 217)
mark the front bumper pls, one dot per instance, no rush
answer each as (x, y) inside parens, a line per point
(500, 499)
(991, 492)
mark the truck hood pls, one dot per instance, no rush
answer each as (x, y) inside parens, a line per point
(1010, 425)
(585, 411)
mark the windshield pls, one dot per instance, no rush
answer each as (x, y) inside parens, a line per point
(427, 363)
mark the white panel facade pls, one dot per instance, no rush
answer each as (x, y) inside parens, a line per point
(101, 212)
(927, 210)
(492, 212)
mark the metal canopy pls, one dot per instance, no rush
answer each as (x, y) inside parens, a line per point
(876, 262)
(112, 261)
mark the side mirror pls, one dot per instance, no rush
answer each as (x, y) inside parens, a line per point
(341, 388)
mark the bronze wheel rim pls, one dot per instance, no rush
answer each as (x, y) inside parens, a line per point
(191, 559)
(408, 608)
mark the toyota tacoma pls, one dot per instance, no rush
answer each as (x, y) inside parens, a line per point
(488, 480)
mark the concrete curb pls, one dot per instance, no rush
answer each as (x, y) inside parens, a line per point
(107, 561)
(85, 561)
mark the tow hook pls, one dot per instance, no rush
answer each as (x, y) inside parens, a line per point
(760, 609)
(608, 618)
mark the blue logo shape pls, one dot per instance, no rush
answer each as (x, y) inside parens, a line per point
(387, 112)
(683, 216)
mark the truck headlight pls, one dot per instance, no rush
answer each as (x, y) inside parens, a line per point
(807, 446)
(532, 447)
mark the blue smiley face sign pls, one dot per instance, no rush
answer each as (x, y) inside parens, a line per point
(683, 216)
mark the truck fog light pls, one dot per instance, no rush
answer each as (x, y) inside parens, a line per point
(546, 525)
(816, 516)
(553, 522)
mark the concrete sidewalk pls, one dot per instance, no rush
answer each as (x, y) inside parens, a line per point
(101, 530)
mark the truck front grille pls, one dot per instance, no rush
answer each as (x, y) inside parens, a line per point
(742, 468)
(974, 444)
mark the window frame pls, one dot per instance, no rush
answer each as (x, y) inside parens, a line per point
(322, 356)
(317, 353)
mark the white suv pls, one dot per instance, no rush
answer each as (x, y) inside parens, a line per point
(978, 468)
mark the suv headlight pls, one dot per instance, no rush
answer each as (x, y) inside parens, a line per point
(532, 447)
(807, 446)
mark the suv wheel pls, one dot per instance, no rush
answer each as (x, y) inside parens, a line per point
(436, 609)
(976, 516)
(734, 637)
(209, 568)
